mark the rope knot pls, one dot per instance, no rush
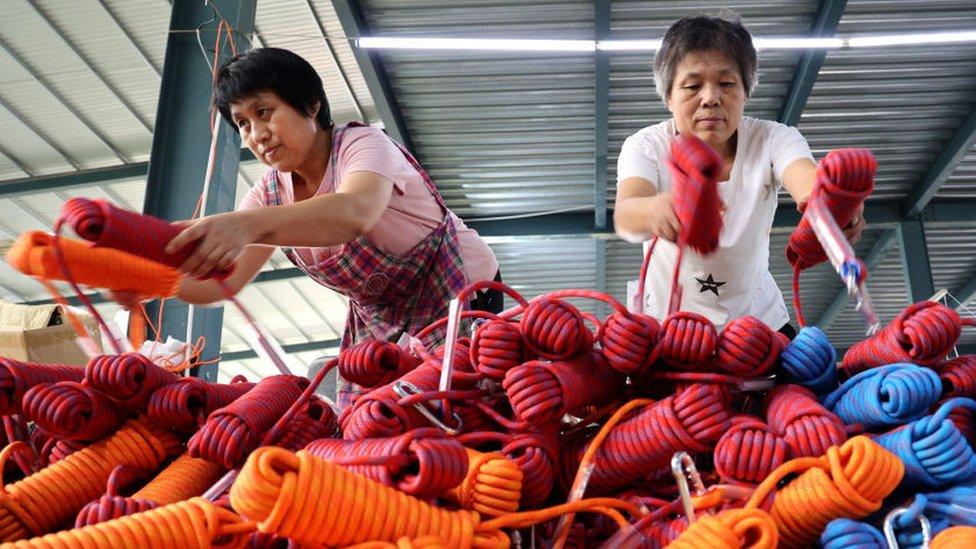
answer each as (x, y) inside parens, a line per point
(748, 348)
(496, 347)
(630, 342)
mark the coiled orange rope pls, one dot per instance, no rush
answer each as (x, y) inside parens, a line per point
(54, 495)
(730, 529)
(33, 254)
(850, 481)
(183, 479)
(313, 501)
(492, 487)
(956, 537)
(187, 524)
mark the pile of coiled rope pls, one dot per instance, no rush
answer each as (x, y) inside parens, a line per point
(553, 418)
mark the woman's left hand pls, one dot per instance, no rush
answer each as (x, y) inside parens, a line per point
(220, 240)
(853, 229)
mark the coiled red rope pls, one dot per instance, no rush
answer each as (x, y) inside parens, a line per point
(958, 376)
(422, 463)
(924, 334)
(186, 404)
(747, 347)
(109, 226)
(313, 421)
(535, 450)
(845, 178)
(544, 391)
(692, 420)
(497, 346)
(72, 411)
(17, 377)
(371, 363)
(689, 341)
(748, 452)
(235, 430)
(129, 378)
(807, 427)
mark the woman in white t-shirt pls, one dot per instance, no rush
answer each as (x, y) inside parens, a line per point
(704, 72)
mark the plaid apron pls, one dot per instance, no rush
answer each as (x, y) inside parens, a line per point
(388, 294)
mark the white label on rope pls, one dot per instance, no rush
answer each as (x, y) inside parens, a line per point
(450, 340)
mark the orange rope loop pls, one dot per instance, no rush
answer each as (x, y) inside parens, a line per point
(49, 498)
(492, 487)
(313, 501)
(850, 481)
(731, 529)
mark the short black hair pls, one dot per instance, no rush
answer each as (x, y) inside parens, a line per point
(704, 33)
(271, 69)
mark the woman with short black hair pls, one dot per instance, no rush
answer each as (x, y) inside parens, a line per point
(349, 206)
(705, 72)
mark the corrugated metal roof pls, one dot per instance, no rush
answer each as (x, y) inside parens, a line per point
(962, 182)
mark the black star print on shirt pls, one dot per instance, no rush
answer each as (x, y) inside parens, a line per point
(709, 284)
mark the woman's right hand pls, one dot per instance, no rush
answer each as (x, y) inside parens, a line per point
(662, 220)
(128, 300)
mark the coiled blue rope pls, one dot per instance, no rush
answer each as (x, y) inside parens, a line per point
(811, 361)
(933, 450)
(885, 397)
(845, 533)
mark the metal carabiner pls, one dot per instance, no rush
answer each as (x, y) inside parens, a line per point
(683, 468)
(889, 528)
(405, 389)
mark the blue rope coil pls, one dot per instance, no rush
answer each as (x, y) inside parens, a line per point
(933, 450)
(845, 533)
(811, 361)
(885, 397)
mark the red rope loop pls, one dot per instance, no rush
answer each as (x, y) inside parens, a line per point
(924, 333)
(554, 329)
(422, 463)
(748, 452)
(371, 363)
(186, 404)
(109, 226)
(129, 378)
(313, 421)
(748, 348)
(691, 420)
(544, 391)
(808, 428)
(17, 377)
(958, 377)
(232, 432)
(496, 347)
(630, 342)
(689, 341)
(695, 168)
(73, 411)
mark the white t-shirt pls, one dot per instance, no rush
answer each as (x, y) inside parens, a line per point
(733, 281)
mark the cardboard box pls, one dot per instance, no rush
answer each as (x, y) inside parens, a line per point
(43, 334)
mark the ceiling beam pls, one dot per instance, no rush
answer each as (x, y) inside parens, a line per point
(354, 25)
(942, 168)
(290, 349)
(825, 23)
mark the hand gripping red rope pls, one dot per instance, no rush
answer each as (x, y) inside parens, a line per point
(845, 178)
(109, 226)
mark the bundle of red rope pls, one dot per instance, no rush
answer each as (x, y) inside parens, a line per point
(129, 378)
(17, 377)
(924, 334)
(72, 411)
(186, 404)
(235, 430)
(845, 178)
(371, 363)
(422, 463)
(807, 428)
(109, 226)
